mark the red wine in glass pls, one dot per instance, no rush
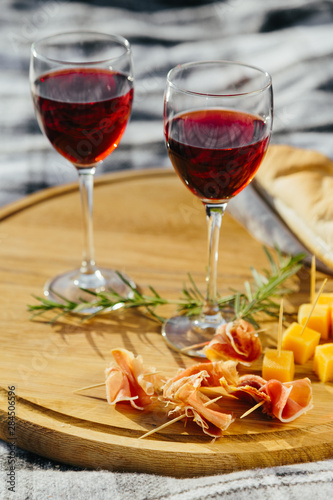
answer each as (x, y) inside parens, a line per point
(216, 152)
(83, 112)
(82, 88)
(217, 125)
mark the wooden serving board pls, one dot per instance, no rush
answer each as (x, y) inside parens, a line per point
(149, 226)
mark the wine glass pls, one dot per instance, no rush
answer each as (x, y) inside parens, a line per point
(217, 124)
(82, 90)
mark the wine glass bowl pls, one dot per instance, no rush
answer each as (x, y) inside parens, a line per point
(217, 125)
(82, 90)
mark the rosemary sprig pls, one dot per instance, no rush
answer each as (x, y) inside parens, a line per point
(257, 296)
(106, 301)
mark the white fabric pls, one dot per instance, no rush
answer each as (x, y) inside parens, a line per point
(38, 480)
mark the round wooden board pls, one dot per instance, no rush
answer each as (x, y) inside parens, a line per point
(149, 226)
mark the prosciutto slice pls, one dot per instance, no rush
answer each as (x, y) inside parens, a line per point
(251, 380)
(284, 401)
(128, 380)
(214, 372)
(288, 400)
(247, 388)
(236, 340)
(185, 395)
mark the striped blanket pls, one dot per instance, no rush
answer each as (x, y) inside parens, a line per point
(291, 39)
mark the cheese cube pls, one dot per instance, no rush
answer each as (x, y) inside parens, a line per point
(323, 362)
(277, 367)
(320, 319)
(326, 298)
(303, 346)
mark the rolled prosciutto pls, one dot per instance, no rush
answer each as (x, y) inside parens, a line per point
(128, 380)
(236, 340)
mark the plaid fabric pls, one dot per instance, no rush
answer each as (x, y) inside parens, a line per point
(293, 40)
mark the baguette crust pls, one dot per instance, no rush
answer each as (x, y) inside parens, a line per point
(298, 184)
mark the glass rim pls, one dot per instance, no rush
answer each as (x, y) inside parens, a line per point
(122, 41)
(220, 62)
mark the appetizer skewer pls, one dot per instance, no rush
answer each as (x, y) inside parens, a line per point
(278, 363)
(187, 393)
(301, 339)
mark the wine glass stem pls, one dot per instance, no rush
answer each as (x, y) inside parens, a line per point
(214, 217)
(86, 182)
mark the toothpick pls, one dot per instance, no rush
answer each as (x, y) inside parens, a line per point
(314, 305)
(313, 279)
(170, 422)
(279, 339)
(260, 330)
(209, 390)
(194, 346)
(151, 373)
(252, 409)
(89, 387)
(211, 401)
(103, 383)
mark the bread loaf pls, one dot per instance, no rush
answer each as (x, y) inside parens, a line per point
(298, 184)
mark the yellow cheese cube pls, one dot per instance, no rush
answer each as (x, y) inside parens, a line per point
(277, 367)
(303, 346)
(326, 298)
(323, 362)
(320, 319)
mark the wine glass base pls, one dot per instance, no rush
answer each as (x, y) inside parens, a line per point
(188, 334)
(69, 286)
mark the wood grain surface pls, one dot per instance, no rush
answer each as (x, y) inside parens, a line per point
(148, 225)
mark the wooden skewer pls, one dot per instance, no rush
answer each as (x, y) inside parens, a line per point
(194, 346)
(313, 279)
(314, 305)
(151, 373)
(162, 426)
(170, 422)
(89, 387)
(280, 328)
(252, 409)
(103, 383)
(213, 390)
(260, 330)
(211, 401)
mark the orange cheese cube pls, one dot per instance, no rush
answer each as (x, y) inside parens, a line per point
(326, 299)
(303, 346)
(323, 362)
(320, 319)
(279, 367)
